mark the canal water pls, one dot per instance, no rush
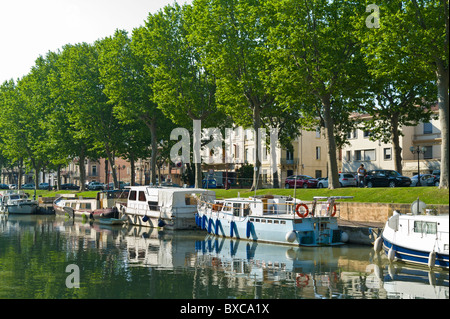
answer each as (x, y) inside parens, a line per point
(43, 257)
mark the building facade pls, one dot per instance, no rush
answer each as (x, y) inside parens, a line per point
(378, 155)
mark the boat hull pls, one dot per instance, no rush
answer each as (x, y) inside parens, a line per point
(139, 219)
(95, 214)
(417, 239)
(304, 232)
(413, 256)
(22, 209)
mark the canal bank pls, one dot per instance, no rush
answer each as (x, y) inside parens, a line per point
(363, 222)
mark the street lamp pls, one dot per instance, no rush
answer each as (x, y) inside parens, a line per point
(418, 150)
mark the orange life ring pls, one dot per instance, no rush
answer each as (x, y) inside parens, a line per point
(298, 213)
(334, 209)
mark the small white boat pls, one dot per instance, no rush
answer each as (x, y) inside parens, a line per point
(420, 239)
(275, 219)
(17, 202)
(103, 206)
(168, 207)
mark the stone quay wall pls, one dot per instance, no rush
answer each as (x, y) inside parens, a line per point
(378, 212)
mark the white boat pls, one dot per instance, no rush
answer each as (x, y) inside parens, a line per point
(17, 202)
(275, 219)
(103, 206)
(168, 207)
(420, 239)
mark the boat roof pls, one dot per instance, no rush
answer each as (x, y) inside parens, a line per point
(171, 189)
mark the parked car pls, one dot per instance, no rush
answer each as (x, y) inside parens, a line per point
(12, 186)
(43, 185)
(111, 185)
(386, 178)
(170, 184)
(301, 181)
(437, 173)
(425, 180)
(212, 183)
(70, 186)
(4, 186)
(345, 179)
(95, 186)
(27, 186)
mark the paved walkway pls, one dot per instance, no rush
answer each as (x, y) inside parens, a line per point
(343, 222)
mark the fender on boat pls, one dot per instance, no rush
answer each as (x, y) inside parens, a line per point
(232, 225)
(249, 229)
(209, 225)
(204, 219)
(431, 259)
(216, 228)
(290, 236)
(391, 254)
(378, 244)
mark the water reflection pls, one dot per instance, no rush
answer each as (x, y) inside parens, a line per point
(141, 262)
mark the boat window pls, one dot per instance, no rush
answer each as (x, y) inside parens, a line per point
(269, 221)
(85, 205)
(190, 199)
(275, 221)
(283, 222)
(227, 207)
(425, 227)
(142, 196)
(246, 210)
(132, 195)
(236, 209)
(153, 205)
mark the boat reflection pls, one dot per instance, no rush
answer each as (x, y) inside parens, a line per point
(310, 271)
(409, 282)
(218, 267)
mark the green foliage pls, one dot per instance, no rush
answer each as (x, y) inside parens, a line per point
(284, 64)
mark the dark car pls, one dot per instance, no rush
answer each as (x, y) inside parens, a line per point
(301, 181)
(70, 186)
(386, 178)
(212, 183)
(425, 180)
(43, 186)
(4, 186)
(95, 186)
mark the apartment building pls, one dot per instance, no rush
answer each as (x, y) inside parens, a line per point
(378, 155)
(308, 156)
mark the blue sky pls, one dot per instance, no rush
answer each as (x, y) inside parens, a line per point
(29, 28)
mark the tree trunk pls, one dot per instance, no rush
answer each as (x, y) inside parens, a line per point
(20, 175)
(154, 151)
(106, 173)
(333, 174)
(397, 156)
(111, 158)
(132, 168)
(82, 170)
(256, 125)
(58, 178)
(442, 84)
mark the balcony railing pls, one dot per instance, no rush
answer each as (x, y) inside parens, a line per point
(288, 161)
(426, 137)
